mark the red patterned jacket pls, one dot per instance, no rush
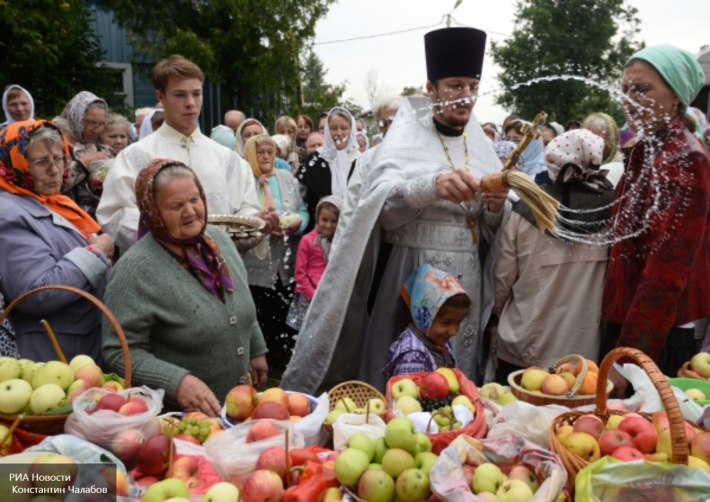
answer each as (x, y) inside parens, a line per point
(659, 272)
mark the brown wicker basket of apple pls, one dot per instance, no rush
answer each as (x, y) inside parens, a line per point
(571, 382)
(698, 367)
(41, 393)
(354, 397)
(582, 438)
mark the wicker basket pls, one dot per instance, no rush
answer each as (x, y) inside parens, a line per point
(573, 463)
(359, 392)
(54, 424)
(684, 372)
(570, 400)
(354, 496)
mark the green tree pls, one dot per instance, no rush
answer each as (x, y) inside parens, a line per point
(586, 38)
(317, 93)
(50, 48)
(250, 46)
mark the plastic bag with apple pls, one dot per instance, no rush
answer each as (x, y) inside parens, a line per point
(524, 419)
(609, 479)
(448, 479)
(348, 424)
(119, 422)
(236, 451)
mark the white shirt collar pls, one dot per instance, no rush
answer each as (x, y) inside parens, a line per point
(175, 135)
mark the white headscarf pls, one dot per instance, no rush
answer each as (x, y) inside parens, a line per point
(284, 144)
(240, 143)
(146, 125)
(338, 159)
(8, 118)
(367, 141)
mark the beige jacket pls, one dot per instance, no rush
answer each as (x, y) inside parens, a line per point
(548, 297)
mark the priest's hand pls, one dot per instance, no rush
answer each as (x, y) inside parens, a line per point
(259, 371)
(458, 186)
(194, 395)
(496, 200)
(271, 217)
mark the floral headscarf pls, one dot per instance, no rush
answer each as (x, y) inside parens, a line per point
(426, 290)
(263, 191)
(202, 254)
(15, 174)
(575, 157)
(76, 109)
(503, 150)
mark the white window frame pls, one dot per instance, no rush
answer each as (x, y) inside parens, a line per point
(127, 69)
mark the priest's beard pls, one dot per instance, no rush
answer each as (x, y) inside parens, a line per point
(454, 118)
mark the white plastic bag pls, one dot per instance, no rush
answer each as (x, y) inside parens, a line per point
(102, 426)
(235, 459)
(525, 420)
(348, 424)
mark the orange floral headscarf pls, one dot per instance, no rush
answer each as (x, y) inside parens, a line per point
(15, 174)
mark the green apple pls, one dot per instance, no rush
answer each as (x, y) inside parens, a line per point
(350, 465)
(346, 404)
(380, 450)
(396, 461)
(400, 433)
(79, 361)
(405, 387)
(413, 486)
(361, 442)
(507, 398)
(221, 492)
(30, 370)
(514, 491)
(377, 406)
(526, 475)
(407, 405)
(15, 394)
(55, 372)
(359, 411)
(376, 486)
(425, 461)
(487, 478)
(10, 369)
(464, 401)
(423, 442)
(4, 430)
(454, 387)
(23, 364)
(374, 466)
(165, 490)
(46, 397)
(333, 416)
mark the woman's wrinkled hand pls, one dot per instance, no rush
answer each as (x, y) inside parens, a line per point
(271, 217)
(105, 243)
(620, 384)
(194, 395)
(259, 371)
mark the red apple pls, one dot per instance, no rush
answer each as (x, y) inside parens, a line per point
(153, 456)
(591, 424)
(468, 472)
(111, 402)
(617, 406)
(273, 394)
(642, 432)
(298, 405)
(627, 454)
(610, 441)
(188, 439)
(273, 459)
(241, 402)
(135, 406)
(91, 374)
(389, 416)
(262, 486)
(262, 430)
(700, 446)
(126, 444)
(271, 409)
(660, 423)
(433, 386)
(186, 469)
(146, 481)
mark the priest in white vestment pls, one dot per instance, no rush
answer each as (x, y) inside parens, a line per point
(424, 190)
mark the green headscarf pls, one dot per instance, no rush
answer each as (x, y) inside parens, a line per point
(678, 67)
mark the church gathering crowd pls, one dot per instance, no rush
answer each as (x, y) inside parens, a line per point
(384, 254)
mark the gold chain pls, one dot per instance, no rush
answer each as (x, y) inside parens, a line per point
(472, 222)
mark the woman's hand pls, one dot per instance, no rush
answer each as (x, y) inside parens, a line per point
(293, 228)
(86, 160)
(620, 384)
(496, 200)
(259, 371)
(104, 242)
(277, 233)
(194, 395)
(271, 217)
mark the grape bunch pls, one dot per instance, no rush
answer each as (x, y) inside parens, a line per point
(199, 429)
(436, 404)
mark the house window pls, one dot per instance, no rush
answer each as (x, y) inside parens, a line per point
(120, 84)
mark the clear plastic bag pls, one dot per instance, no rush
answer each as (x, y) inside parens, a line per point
(235, 459)
(101, 427)
(348, 424)
(528, 421)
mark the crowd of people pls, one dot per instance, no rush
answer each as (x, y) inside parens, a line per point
(384, 255)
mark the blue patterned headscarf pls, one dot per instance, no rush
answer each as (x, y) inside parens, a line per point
(426, 290)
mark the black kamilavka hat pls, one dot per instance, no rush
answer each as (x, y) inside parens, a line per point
(454, 52)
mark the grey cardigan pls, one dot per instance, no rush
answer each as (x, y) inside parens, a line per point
(175, 327)
(39, 247)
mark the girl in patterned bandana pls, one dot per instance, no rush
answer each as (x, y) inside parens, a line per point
(434, 305)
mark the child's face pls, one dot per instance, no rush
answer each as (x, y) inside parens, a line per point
(446, 325)
(327, 222)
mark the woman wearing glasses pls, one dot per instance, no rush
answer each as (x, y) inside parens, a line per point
(47, 239)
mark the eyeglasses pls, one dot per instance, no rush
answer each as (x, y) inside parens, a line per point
(47, 163)
(94, 125)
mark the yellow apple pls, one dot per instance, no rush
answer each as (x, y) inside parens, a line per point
(533, 378)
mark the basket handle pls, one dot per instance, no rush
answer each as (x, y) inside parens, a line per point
(96, 302)
(451, 419)
(675, 417)
(580, 378)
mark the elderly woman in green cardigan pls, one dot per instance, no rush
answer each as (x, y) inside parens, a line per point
(181, 296)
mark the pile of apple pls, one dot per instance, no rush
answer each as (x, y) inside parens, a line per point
(395, 467)
(700, 366)
(498, 394)
(631, 437)
(243, 404)
(489, 482)
(540, 381)
(438, 391)
(175, 490)
(43, 388)
(347, 405)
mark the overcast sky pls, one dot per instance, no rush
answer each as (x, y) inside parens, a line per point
(399, 59)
